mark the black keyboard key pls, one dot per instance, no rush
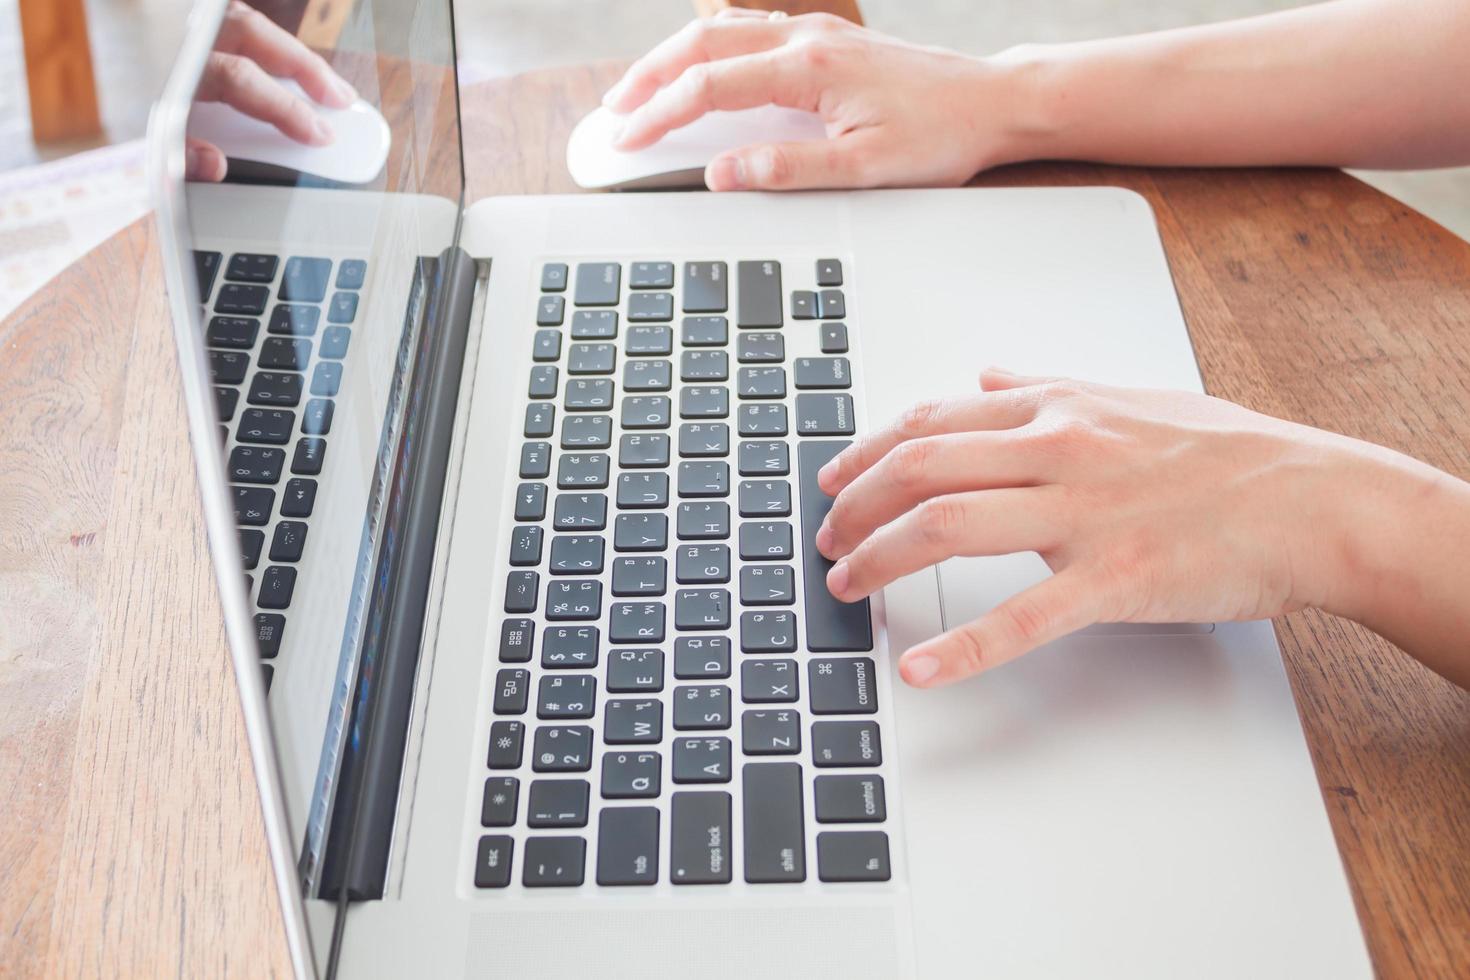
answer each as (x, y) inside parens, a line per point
(206, 267)
(850, 799)
(586, 471)
(573, 601)
(274, 388)
(317, 419)
(554, 277)
(507, 742)
(712, 402)
(546, 345)
(342, 308)
(760, 294)
(704, 440)
(706, 287)
(638, 450)
(575, 554)
(256, 464)
(853, 855)
(824, 415)
(838, 744)
(252, 542)
(702, 708)
(829, 272)
(770, 732)
(589, 395)
(775, 848)
(592, 358)
(298, 498)
(550, 311)
(641, 491)
(535, 460)
(543, 381)
(294, 320)
(832, 305)
(627, 846)
(764, 458)
(771, 585)
(597, 284)
(764, 498)
(351, 274)
(540, 420)
(651, 275)
(762, 419)
(334, 342)
(704, 478)
(579, 512)
(276, 586)
(525, 545)
(639, 576)
(593, 324)
(631, 775)
(635, 671)
(702, 760)
(326, 378)
(760, 348)
(289, 541)
(284, 354)
(834, 338)
(228, 367)
(769, 682)
(704, 365)
(553, 862)
(768, 632)
(512, 691)
(831, 626)
(701, 609)
(766, 541)
(705, 331)
(650, 307)
(241, 300)
(842, 686)
(699, 838)
(702, 564)
(517, 641)
(701, 658)
(225, 401)
(309, 456)
(656, 375)
(640, 532)
(636, 622)
(803, 305)
(270, 631)
(649, 340)
(306, 279)
(822, 372)
(253, 505)
(768, 381)
(522, 589)
(530, 502)
(498, 804)
(557, 803)
(569, 647)
(492, 862)
(646, 412)
(632, 722)
(704, 520)
(562, 748)
(271, 426)
(234, 332)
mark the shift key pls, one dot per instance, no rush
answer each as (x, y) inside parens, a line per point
(699, 839)
(775, 848)
(760, 294)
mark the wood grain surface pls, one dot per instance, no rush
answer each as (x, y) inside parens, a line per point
(59, 78)
(130, 839)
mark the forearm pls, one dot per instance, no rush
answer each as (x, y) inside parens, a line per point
(1370, 83)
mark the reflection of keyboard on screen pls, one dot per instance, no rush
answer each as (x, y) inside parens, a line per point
(681, 698)
(307, 328)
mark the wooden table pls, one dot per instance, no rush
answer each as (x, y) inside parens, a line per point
(130, 840)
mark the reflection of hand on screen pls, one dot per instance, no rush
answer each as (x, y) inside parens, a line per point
(251, 53)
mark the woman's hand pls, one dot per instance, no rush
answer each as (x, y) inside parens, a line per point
(896, 113)
(1150, 506)
(249, 55)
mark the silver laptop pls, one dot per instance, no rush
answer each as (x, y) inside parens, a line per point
(511, 504)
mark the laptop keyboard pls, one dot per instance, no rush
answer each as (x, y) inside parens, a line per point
(275, 427)
(678, 698)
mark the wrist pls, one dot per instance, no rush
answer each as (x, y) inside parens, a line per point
(1034, 99)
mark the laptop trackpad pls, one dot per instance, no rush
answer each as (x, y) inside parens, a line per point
(971, 587)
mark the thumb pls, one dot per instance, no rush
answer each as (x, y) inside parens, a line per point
(789, 166)
(1062, 604)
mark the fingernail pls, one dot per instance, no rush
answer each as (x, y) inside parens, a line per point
(837, 579)
(827, 473)
(191, 161)
(728, 174)
(823, 539)
(344, 90)
(612, 94)
(321, 130)
(920, 669)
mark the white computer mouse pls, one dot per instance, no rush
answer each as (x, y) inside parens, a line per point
(355, 156)
(679, 159)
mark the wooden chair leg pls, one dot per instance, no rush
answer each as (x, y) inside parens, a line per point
(842, 8)
(58, 59)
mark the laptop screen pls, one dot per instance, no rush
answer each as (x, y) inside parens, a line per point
(323, 185)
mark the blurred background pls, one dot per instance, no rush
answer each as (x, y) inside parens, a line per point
(91, 179)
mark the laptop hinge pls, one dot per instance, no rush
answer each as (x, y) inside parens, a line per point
(359, 840)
